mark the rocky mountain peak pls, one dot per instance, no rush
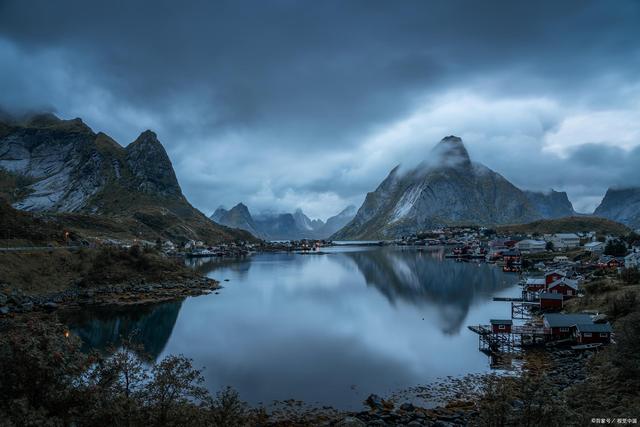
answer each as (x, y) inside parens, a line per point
(450, 152)
(151, 165)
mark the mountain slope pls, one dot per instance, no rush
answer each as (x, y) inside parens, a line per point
(71, 169)
(338, 221)
(554, 204)
(446, 189)
(622, 205)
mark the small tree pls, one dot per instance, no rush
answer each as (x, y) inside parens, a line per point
(616, 248)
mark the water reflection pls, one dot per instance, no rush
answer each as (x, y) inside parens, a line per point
(327, 328)
(103, 327)
(420, 277)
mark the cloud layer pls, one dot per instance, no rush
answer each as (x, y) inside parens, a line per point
(309, 104)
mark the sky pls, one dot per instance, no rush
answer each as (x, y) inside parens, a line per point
(289, 104)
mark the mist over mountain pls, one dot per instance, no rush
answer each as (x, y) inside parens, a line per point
(447, 188)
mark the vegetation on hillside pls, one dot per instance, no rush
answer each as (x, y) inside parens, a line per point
(46, 380)
(572, 224)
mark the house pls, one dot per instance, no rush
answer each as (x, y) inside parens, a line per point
(589, 333)
(565, 240)
(563, 286)
(594, 247)
(531, 246)
(534, 284)
(552, 276)
(559, 325)
(501, 326)
(560, 259)
(632, 260)
(551, 302)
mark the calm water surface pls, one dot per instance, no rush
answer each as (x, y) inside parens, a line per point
(327, 328)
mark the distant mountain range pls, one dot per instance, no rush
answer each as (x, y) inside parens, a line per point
(282, 226)
(448, 189)
(62, 166)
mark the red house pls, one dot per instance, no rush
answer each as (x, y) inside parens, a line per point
(563, 286)
(552, 276)
(591, 333)
(561, 325)
(551, 302)
(501, 326)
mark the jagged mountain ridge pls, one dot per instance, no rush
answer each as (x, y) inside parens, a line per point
(281, 226)
(71, 169)
(446, 189)
(621, 205)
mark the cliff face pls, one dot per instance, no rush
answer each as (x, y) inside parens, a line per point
(554, 204)
(69, 168)
(621, 205)
(446, 189)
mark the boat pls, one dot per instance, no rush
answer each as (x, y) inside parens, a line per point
(586, 346)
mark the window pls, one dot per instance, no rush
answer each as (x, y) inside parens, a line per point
(569, 292)
(587, 334)
(603, 335)
(501, 326)
(564, 329)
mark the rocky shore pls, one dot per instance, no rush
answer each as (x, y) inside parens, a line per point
(135, 292)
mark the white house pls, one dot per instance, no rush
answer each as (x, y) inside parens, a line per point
(531, 246)
(632, 260)
(565, 240)
(594, 247)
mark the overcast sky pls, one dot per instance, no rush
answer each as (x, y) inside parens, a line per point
(286, 104)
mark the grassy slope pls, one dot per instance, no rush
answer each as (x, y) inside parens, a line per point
(570, 224)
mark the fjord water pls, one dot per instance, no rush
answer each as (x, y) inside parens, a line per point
(325, 328)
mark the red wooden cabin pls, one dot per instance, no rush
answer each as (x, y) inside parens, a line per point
(501, 326)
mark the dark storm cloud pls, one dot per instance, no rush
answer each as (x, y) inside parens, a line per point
(283, 102)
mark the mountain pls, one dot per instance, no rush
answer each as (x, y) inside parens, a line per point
(552, 204)
(446, 189)
(62, 166)
(281, 226)
(622, 205)
(237, 217)
(338, 221)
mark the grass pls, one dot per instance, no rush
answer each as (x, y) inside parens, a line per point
(572, 224)
(60, 269)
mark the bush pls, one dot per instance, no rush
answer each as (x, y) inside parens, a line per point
(622, 305)
(630, 276)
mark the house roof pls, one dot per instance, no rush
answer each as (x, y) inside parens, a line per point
(534, 281)
(563, 280)
(532, 242)
(562, 273)
(593, 244)
(501, 321)
(594, 327)
(549, 295)
(558, 320)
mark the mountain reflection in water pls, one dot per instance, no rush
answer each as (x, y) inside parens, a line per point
(103, 327)
(327, 327)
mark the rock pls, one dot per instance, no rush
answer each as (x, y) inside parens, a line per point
(350, 422)
(4, 310)
(3, 299)
(408, 407)
(50, 306)
(376, 423)
(374, 402)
